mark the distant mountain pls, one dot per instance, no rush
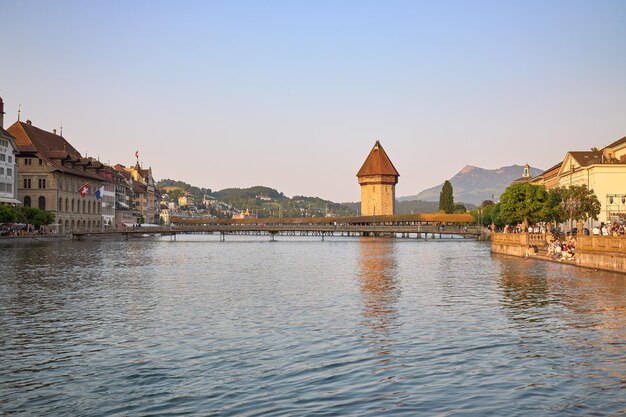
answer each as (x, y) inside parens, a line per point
(474, 185)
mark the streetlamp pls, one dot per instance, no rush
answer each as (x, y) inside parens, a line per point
(571, 204)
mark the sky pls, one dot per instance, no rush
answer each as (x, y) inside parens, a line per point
(293, 94)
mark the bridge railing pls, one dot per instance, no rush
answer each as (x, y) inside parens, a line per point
(276, 228)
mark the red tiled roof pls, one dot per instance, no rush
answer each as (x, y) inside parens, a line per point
(377, 163)
(585, 158)
(31, 138)
(51, 147)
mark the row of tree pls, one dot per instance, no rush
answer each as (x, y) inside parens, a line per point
(530, 204)
(25, 215)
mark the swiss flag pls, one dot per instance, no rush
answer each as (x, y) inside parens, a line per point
(83, 190)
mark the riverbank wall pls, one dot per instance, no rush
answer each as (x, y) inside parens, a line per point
(12, 240)
(597, 252)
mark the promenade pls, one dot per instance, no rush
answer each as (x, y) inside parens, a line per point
(597, 252)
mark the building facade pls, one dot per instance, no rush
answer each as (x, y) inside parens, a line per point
(51, 175)
(378, 178)
(8, 164)
(145, 197)
(601, 170)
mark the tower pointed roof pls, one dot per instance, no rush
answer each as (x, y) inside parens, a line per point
(377, 163)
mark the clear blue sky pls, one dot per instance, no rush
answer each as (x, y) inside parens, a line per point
(293, 94)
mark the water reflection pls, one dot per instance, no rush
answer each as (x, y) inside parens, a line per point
(379, 287)
(523, 288)
(582, 311)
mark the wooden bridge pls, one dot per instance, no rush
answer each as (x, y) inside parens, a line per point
(413, 225)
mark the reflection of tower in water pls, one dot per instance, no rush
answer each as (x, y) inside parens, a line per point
(379, 286)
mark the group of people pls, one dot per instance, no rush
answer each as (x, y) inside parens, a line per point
(521, 229)
(562, 250)
(20, 230)
(609, 230)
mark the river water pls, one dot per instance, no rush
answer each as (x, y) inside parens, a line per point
(349, 326)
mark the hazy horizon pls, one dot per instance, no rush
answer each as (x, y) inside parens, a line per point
(293, 95)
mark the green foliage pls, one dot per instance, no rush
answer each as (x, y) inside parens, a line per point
(446, 198)
(524, 203)
(8, 214)
(416, 207)
(579, 203)
(34, 216)
(229, 194)
(555, 211)
(246, 198)
(191, 189)
(489, 214)
(459, 209)
(175, 194)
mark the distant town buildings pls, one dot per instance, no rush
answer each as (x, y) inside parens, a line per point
(145, 196)
(378, 178)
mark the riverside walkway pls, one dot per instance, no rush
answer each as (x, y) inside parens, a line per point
(413, 225)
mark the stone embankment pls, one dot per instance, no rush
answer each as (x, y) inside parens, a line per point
(598, 252)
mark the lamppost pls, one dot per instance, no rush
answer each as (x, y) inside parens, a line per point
(571, 204)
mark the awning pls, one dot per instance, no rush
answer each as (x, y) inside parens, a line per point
(9, 200)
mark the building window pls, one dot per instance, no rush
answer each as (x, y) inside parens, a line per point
(28, 161)
(42, 182)
(10, 172)
(10, 159)
(40, 162)
(9, 188)
(60, 207)
(2, 157)
(73, 205)
(42, 203)
(1, 171)
(27, 201)
(67, 205)
(26, 182)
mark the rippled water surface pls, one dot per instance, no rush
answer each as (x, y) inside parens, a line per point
(304, 327)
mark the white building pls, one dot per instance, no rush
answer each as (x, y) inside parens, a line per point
(8, 164)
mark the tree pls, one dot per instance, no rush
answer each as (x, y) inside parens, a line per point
(459, 209)
(175, 194)
(555, 211)
(579, 203)
(8, 214)
(446, 198)
(524, 203)
(34, 216)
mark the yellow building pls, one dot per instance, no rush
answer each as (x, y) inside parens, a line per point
(378, 178)
(601, 170)
(144, 191)
(52, 173)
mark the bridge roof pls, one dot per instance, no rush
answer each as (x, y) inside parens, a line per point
(424, 217)
(377, 163)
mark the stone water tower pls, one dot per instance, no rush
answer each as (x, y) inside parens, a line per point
(378, 178)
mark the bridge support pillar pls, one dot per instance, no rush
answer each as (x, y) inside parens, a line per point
(322, 236)
(222, 237)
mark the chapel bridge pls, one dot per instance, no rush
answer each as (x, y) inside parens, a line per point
(408, 225)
